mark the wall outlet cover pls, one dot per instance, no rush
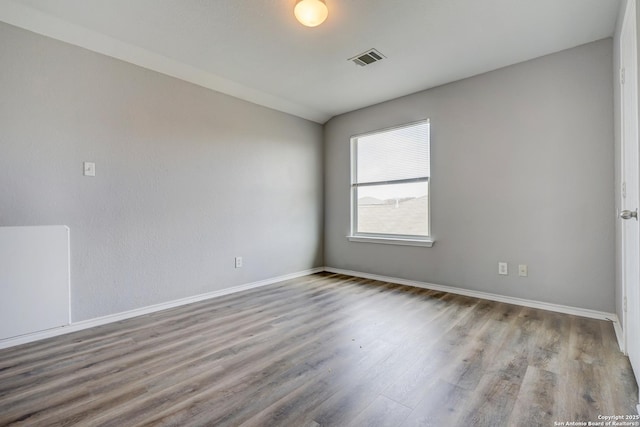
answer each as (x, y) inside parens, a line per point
(503, 268)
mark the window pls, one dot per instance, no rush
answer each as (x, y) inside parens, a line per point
(390, 173)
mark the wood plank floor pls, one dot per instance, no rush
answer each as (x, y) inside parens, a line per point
(324, 350)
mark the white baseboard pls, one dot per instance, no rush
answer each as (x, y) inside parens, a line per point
(584, 312)
(86, 324)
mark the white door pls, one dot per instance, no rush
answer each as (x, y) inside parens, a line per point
(630, 187)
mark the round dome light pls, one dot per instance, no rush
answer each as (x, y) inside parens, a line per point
(311, 13)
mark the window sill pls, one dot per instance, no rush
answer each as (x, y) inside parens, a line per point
(428, 242)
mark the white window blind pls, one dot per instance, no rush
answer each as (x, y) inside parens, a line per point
(393, 155)
(390, 182)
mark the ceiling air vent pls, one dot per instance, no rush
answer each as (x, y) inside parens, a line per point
(368, 57)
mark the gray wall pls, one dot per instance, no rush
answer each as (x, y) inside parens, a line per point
(522, 171)
(187, 178)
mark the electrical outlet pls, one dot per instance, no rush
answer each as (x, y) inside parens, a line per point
(503, 268)
(238, 262)
(523, 270)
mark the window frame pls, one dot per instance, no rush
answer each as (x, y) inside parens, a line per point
(387, 238)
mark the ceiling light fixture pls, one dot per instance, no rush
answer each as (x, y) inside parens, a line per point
(311, 13)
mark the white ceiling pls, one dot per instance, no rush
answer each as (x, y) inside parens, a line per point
(256, 50)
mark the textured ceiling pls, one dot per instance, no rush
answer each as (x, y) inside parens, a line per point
(254, 49)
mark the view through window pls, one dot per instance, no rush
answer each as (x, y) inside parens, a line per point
(390, 182)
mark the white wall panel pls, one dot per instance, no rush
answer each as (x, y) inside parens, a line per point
(34, 279)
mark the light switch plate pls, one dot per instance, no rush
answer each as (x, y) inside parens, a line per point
(523, 271)
(89, 169)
